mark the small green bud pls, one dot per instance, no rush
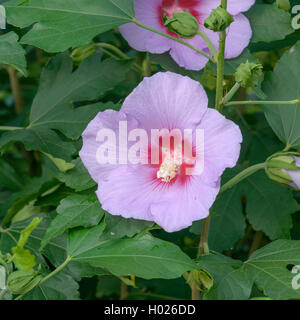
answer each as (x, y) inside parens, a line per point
(184, 24)
(81, 53)
(281, 168)
(219, 20)
(248, 74)
(20, 282)
(284, 4)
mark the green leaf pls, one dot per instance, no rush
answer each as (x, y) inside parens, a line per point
(9, 178)
(59, 287)
(78, 178)
(272, 215)
(55, 250)
(283, 85)
(27, 212)
(30, 191)
(23, 259)
(230, 281)
(78, 270)
(268, 267)
(61, 164)
(40, 139)
(60, 87)
(227, 222)
(53, 199)
(276, 205)
(269, 23)
(59, 25)
(144, 256)
(74, 211)
(119, 227)
(12, 53)
(25, 233)
(53, 109)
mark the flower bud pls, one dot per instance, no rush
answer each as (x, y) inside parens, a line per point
(184, 24)
(20, 282)
(248, 74)
(81, 53)
(219, 20)
(285, 169)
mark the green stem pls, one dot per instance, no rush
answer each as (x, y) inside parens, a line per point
(234, 103)
(117, 52)
(220, 64)
(57, 270)
(210, 45)
(231, 94)
(50, 275)
(220, 70)
(203, 246)
(241, 176)
(9, 128)
(175, 39)
(112, 48)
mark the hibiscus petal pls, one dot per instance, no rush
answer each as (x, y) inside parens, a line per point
(133, 192)
(187, 57)
(147, 13)
(167, 100)
(129, 191)
(109, 119)
(222, 145)
(186, 205)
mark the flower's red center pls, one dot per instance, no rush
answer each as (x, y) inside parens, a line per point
(174, 163)
(169, 7)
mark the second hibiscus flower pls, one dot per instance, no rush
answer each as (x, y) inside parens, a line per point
(151, 13)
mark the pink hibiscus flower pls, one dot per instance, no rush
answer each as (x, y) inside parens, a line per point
(150, 13)
(163, 192)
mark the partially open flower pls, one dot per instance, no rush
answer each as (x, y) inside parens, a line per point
(285, 169)
(171, 184)
(153, 13)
